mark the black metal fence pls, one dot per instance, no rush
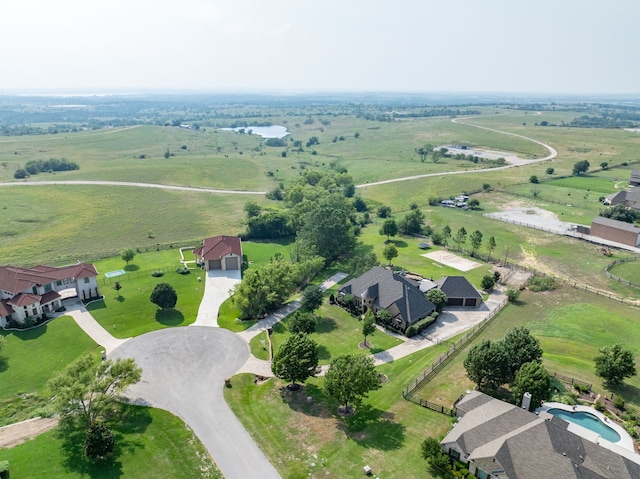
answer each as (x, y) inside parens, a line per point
(570, 380)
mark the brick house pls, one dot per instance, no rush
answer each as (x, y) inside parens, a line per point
(614, 230)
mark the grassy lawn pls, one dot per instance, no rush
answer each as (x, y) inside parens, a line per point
(295, 434)
(337, 332)
(629, 271)
(149, 443)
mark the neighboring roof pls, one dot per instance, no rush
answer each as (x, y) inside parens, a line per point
(5, 309)
(630, 199)
(14, 279)
(218, 247)
(24, 299)
(619, 225)
(497, 435)
(427, 284)
(49, 296)
(457, 287)
(635, 176)
(392, 292)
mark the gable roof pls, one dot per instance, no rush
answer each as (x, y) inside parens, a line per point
(218, 247)
(398, 295)
(500, 436)
(457, 287)
(14, 279)
(635, 177)
(619, 225)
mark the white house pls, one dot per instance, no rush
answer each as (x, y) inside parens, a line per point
(32, 292)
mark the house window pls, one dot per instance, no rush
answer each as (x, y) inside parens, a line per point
(86, 280)
(59, 282)
(47, 287)
(66, 281)
(34, 311)
(481, 474)
(34, 290)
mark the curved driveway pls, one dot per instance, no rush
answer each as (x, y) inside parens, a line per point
(183, 371)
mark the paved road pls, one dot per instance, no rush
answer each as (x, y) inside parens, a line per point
(183, 372)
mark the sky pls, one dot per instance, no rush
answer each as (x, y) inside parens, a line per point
(521, 46)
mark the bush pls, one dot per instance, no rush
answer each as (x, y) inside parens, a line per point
(182, 270)
(513, 294)
(533, 179)
(411, 331)
(4, 469)
(157, 274)
(538, 284)
(618, 402)
(599, 406)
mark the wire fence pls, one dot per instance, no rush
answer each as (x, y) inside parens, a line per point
(618, 278)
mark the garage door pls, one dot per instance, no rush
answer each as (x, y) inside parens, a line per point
(215, 264)
(455, 301)
(232, 262)
(470, 302)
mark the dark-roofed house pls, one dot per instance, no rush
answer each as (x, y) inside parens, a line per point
(380, 288)
(32, 292)
(630, 199)
(459, 291)
(502, 441)
(614, 230)
(220, 252)
(634, 179)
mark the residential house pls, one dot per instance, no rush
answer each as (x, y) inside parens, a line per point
(459, 291)
(220, 253)
(380, 288)
(630, 199)
(32, 292)
(614, 230)
(498, 440)
(634, 179)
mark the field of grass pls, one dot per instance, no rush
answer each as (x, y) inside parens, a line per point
(337, 332)
(149, 442)
(629, 271)
(296, 434)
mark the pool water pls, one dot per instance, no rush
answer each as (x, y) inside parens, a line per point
(588, 421)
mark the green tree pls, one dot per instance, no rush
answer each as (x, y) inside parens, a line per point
(473, 204)
(296, 359)
(167, 154)
(349, 379)
(437, 297)
(356, 135)
(389, 228)
(91, 390)
(302, 322)
(604, 165)
(491, 245)
(99, 442)
(252, 209)
(476, 241)
(368, 326)
(461, 237)
(614, 363)
(487, 364)
(533, 378)
(446, 234)
(412, 222)
(534, 179)
(580, 167)
(311, 298)
(384, 211)
(424, 151)
(127, 255)
(164, 296)
(361, 262)
(550, 171)
(513, 294)
(389, 252)
(488, 282)
(620, 213)
(521, 347)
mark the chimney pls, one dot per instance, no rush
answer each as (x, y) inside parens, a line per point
(526, 401)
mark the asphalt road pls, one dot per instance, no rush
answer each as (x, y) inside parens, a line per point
(183, 372)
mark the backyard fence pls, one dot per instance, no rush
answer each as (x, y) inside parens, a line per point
(570, 380)
(618, 278)
(137, 274)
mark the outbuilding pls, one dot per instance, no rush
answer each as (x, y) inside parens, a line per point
(220, 253)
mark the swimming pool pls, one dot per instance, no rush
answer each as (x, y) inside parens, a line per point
(587, 420)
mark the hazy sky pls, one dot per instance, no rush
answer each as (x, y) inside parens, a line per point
(546, 46)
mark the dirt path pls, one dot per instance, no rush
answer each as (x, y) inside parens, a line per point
(17, 433)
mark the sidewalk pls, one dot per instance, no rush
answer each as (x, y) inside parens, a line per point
(90, 326)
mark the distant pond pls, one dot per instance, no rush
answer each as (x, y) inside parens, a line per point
(273, 131)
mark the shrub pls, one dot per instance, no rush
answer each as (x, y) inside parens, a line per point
(618, 402)
(599, 406)
(182, 270)
(157, 274)
(533, 179)
(538, 284)
(411, 331)
(513, 294)
(4, 469)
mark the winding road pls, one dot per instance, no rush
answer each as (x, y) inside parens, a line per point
(552, 154)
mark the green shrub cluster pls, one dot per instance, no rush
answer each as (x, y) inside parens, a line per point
(182, 270)
(4, 469)
(421, 325)
(538, 284)
(157, 274)
(581, 388)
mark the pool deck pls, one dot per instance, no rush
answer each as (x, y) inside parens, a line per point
(622, 447)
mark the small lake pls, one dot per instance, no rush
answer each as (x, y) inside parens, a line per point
(273, 131)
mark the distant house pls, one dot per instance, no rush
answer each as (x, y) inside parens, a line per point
(32, 292)
(459, 291)
(630, 199)
(501, 441)
(380, 288)
(634, 179)
(614, 230)
(220, 253)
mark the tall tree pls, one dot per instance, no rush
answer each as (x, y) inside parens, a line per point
(446, 234)
(90, 390)
(476, 241)
(389, 252)
(491, 245)
(302, 322)
(412, 222)
(311, 298)
(614, 363)
(389, 228)
(164, 296)
(461, 237)
(521, 347)
(99, 442)
(437, 297)
(487, 365)
(532, 378)
(349, 379)
(580, 167)
(127, 255)
(368, 326)
(296, 359)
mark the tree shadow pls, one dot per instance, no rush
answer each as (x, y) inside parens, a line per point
(30, 334)
(4, 364)
(627, 391)
(169, 317)
(120, 298)
(373, 428)
(298, 400)
(323, 353)
(131, 267)
(325, 325)
(400, 243)
(96, 305)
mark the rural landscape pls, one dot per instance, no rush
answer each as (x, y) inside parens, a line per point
(165, 359)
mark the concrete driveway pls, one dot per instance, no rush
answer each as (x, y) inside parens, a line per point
(216, 291)
(183, 372)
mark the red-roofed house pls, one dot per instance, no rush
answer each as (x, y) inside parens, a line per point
(32, 292)
(220, 252)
